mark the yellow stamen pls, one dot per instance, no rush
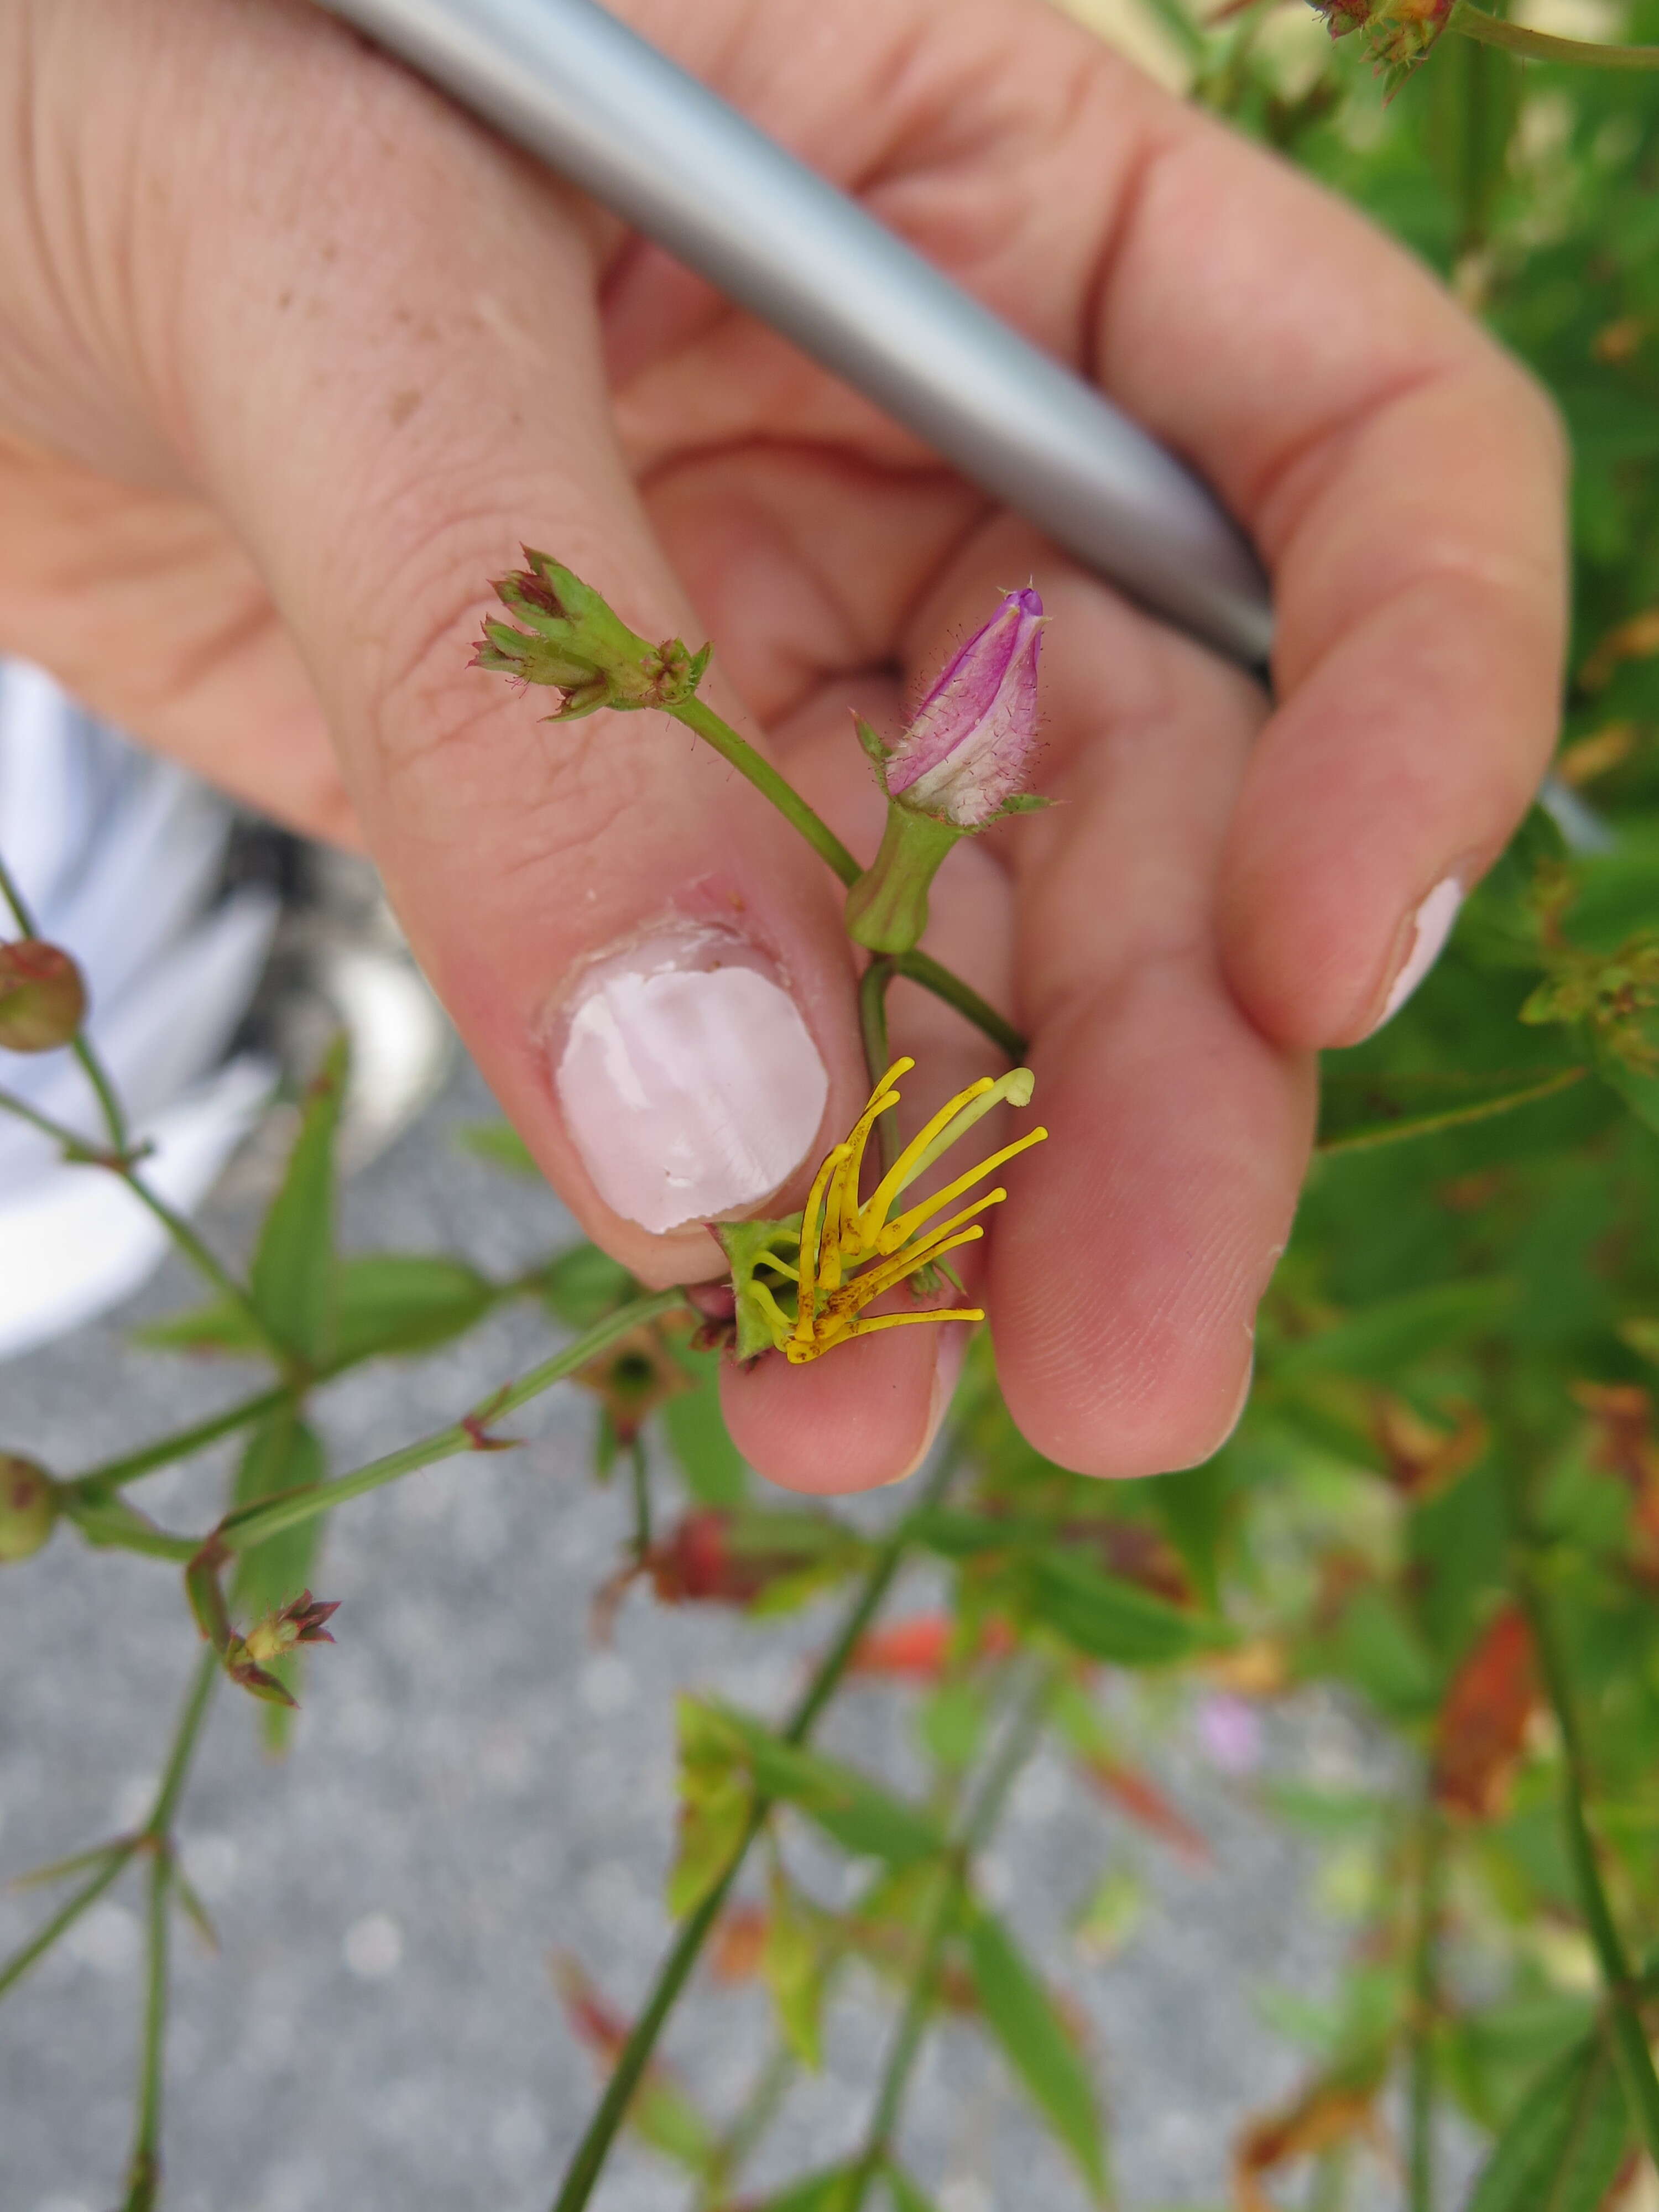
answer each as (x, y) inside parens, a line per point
(896, 1232)
(840, 1238)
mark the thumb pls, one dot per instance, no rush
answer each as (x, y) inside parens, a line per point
(389, 374)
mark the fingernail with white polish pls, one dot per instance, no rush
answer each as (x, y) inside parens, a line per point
(689, 1083)
(1430, 927)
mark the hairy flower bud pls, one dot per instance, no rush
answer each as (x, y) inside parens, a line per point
(965, 754)
(957, 766)
(42, 997)
(28, 1507)
(576, 644)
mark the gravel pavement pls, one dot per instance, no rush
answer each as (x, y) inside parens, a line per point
(474, 1788)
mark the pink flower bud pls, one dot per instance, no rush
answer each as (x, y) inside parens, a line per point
(42, 998)
(968, 748)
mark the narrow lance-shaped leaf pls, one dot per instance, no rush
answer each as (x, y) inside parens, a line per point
(1043, 2056)
(293, 1272)
(1566, 2141)
(1358, 1112)
(282, 1454)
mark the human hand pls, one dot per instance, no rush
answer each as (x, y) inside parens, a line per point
(296, 356)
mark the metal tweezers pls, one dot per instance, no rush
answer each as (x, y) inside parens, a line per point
(567, 81)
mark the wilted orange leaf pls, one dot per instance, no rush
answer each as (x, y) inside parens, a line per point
(1483, 1722)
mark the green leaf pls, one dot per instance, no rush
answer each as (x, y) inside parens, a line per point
(829, 2191)
(859, 1813)
(792, 1967)
(1042, 2054)
(902, 2191)
(498, 1144)
(1358, 1111)
(281, 1453)
(293, 1273)
(1108, 1618)
(697, 1435)
(388, 1303)
(1566, 2141)
(583, 1285)
(384, 1304)
(1381, 1340)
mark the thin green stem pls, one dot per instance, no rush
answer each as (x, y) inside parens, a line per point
(66, 1915)
(117, 1160)
(877, 1056)
(241, 1531)
(635, 2056)
(766, 779)
(919, 967)
(1023, 1732)
(183, 1444)
(144, 2164)
(1630, 2041)
(1425, 2002)
(185, 1737)
(640, 1473)
(1547, 46)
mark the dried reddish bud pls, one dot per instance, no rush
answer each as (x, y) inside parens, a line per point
(698, 1565)
(1483, 1724)
(633, 1378)
(300, 1621)
(43, 1000)
(1421, 1459)
(1398, 33)
(28, 1507)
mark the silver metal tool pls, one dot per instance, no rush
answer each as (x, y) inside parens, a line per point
(566, 80)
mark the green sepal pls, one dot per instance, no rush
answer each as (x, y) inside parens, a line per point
(762, 1324)
(887, 906)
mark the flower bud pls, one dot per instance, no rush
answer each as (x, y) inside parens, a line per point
(958, 766)
(42, 997)
(964, 756)
(576, 644)
(28, 1507)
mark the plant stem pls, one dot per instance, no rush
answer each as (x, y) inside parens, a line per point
(119, 1162)
(1547, 46)
(144, 2165)
(115, 1855)
(251, 1525)
(1425, 2002)
(877, 1054)
(65, 1916)
(919, 967)
(766, 779)
(673, 1975)
(1023, 1732)
(641, 1474)
(183, 1444)
(1629, 2037)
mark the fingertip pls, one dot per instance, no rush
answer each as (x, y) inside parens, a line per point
(862, 1417)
